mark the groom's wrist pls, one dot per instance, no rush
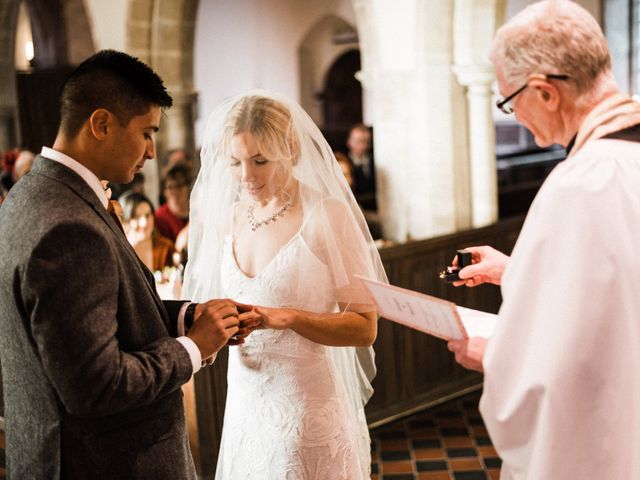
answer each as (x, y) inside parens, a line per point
(189, 316)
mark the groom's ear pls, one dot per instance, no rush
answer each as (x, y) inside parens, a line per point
(100, 123)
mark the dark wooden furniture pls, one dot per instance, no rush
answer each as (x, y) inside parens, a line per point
(38, 106)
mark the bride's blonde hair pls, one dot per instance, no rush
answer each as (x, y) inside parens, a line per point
(271, 125)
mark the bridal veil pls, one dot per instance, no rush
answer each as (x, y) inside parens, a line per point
(333, 226)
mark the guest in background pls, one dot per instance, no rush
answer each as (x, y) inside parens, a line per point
(8, 162)
(155, 250)
(181, 255)
(3, 193)
(174, 156)
(346, 165)
(16, 163)
(3, 189)
(137, 184)
(172, 216)
(359, 152)
(23, 164)
(371, 216)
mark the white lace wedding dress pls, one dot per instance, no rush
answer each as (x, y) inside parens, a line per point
(288, 414)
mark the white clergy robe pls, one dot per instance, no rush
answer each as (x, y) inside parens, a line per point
(562, 372)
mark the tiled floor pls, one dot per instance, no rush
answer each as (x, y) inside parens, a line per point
(447, 442)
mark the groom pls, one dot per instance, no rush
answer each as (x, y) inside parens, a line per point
(91, 364)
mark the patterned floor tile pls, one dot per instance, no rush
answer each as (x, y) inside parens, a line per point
(433, 476)
(429, 454)
(397, 467)
(463, 464)
(449, 442)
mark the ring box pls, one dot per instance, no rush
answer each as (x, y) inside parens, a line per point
(450, 275)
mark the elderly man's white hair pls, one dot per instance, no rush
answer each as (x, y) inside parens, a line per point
(553, 37)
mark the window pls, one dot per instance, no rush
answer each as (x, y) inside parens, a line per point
(621, 25)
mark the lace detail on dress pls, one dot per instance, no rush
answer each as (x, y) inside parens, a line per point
(287, 413)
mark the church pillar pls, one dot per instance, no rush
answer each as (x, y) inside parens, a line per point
(418, 117)
(478, 80)
(474, 25)
(179, 122)
(425, 67)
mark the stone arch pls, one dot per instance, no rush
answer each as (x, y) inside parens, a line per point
(474, 25)
(161, 33)
(327, 40)
(342, 98)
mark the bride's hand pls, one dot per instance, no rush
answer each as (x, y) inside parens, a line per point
(249, 321)
(277, 318)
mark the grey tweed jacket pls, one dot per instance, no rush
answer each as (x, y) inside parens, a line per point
(92, 373)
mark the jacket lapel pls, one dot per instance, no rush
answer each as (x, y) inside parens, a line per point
(64, 175)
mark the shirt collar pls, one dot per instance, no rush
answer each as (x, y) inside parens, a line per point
(571, 143)
(86, 174)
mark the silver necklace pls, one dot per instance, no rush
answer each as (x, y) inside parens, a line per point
(256, 224)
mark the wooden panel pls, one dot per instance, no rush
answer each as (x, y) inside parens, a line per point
(414, 369)
(211, 395)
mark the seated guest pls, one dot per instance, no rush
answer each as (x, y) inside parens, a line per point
(155, 250)
(172, 216)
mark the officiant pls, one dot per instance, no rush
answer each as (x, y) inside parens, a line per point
(562, 372)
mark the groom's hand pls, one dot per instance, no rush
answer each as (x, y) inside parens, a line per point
(215, 322)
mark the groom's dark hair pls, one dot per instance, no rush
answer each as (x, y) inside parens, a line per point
(114, 81)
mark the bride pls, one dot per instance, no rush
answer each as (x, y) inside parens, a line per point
(274, 224)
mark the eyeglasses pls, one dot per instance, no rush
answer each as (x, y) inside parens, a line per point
(505, 104)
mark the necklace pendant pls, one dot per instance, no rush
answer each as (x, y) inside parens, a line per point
(271, 218)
